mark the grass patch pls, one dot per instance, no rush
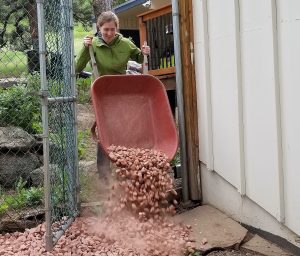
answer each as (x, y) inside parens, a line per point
(12, 63)
(79, 33)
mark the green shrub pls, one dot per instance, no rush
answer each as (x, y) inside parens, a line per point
(20, 106)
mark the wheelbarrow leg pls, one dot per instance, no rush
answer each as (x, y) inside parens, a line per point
(103, 163)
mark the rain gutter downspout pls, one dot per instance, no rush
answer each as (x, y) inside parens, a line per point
(180, 102)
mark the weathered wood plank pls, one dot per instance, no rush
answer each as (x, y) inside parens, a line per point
(190, 97)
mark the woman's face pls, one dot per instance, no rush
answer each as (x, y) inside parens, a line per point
(108, 31)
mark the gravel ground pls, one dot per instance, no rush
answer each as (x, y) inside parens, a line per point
(81, 239)
(111, 236)
(232, 253)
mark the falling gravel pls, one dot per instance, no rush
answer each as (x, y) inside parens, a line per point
(136, 220)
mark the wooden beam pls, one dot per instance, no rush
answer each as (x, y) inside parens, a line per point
(162, 71)
(156, 13)
(143, 32)
(190, 97)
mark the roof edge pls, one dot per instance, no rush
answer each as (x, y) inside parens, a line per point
(128, 5)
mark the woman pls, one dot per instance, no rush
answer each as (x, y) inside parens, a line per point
(112, 52)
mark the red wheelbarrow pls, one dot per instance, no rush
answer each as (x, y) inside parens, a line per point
(133, 111)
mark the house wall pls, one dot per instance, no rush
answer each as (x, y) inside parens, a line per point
(129, 23)
(247, 58)
(156, 4)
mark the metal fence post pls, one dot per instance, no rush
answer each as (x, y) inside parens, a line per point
(45, 113)
(74, 92)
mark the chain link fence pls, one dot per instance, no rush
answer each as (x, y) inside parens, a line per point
(38, 142)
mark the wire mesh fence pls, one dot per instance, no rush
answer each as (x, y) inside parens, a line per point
(38, 142)
(21, 152)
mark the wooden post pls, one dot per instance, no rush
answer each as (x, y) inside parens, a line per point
(190, 97)
(143, 32)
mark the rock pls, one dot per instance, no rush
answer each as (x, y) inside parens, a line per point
(14, 166)
(37, 175)
(15, 138)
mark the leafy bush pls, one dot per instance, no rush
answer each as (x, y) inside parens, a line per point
(20, 106)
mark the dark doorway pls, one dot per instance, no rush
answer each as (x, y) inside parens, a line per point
(134, 34)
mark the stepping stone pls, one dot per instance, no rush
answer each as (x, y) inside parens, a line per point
(211, 228)
(260, 245)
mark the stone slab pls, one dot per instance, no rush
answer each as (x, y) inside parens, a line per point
(264, 247)
(211, 228)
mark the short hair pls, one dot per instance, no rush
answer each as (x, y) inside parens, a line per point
(108, 16)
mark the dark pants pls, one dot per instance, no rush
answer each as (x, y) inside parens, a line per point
(103, 163)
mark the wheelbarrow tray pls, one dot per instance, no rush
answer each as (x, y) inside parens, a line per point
(134, 111)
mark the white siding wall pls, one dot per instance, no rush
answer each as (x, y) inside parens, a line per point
(289, 70)
(223, 77)
(248, 82)
(261, 151)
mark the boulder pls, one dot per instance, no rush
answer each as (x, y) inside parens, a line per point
(13, 166)
(15, 138)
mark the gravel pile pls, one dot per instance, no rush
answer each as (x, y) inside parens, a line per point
(135, 222)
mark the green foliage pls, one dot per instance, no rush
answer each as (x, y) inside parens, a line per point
(20, 106)
(82, 139)
(195, 254)
(27, 196)
(61, 194)
(83, 12)
(3, 208)
(13, 63)
(83, 90)
(23, 197)
(117, 2)
(20, 184)
(34, 195)
(16, 17)
(19, 20)
(176, 159)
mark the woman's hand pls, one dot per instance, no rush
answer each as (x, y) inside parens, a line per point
(145, 50)
(87, 41)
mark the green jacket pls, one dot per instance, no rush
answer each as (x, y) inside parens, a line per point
(111, 58)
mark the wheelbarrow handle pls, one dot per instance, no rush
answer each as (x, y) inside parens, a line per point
(145, 62)
(93, 60)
